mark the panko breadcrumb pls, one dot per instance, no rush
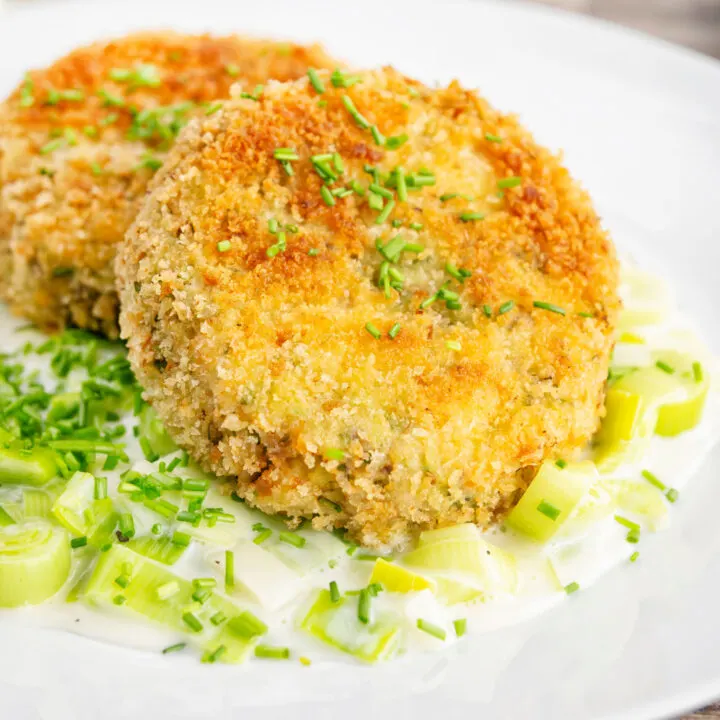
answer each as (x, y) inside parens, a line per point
(380, 306)
(81, 140)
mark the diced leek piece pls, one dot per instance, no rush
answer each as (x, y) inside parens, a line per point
(487, 566)
(394, 578)
(451, 591)
(646, 299)
(79, 512)
(260, 573)
(337, 624)
(465, 531)
(638, 498)
(318, 550)
(594, 507)
(161, 549)
(34, 562)
(151, 427)
(37, 504)
(550, 499)
(5, 517)
(141, 598)
(27, 467)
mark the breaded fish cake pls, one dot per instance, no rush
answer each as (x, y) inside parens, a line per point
(79, 143)
(380, 306)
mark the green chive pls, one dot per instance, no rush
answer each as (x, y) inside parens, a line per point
(434, 630)
(100, 490)
(126, 525)
(212, 109)
(506, 307)
(672, 495)
(571, 588)
(215, 655)
(313, 252)
(665, 367)
(373, 330)
(548, 510)
(470, 216)
(493, 138)
(453, 345)
(272, 653)
(393, 143)
(416, 226)
(334, 592)
(292, 538)
(394, 331)
(634, 556)
(218, 618)
(174, 648)
(378, 137)
(327, 196)
(363, 610)
(360, 121)
(460, 274)
(315, 81)
(285, 153)
(586, 314)
(378, 189)
(654, 480)
(78, 542)
(561, 463)
(119, 600)
(262, 536)
(509, 182)
(340, 79)
(180, 538)
(224, 246)
(633, 536)
(549, 307)
(192, 622)
(629, 524)
(697, 372)
(460, 627)
(232, 70)
(487, 310)
(383, 216)
(51, 146)
(333, 505)
(401, 185)
(229, 569)
(334, 454)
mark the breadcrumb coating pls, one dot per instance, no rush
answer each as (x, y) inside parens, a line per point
(79, 144)
(286, 336)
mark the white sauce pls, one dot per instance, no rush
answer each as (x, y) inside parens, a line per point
(285, 592)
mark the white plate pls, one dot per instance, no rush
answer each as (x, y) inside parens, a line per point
(640, 123)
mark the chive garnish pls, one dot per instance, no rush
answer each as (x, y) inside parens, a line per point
(487, 310)
(363, 610)
(229, 569)
(119, 600)
(224, 246)
(334, 592)
(629, 524)
(509, 182)
(174, 648)
(493, 138)
(394, 142)
(665, 367)
(549, 307)
(232, 70)
(334, 454)
(360, 121)
(586, 314)
(549, 510)
(633, 536)
(262, 536)
(192, 622)
(51, 146)
(213, 108)
(460, 626)
(272, 653)
(215, 655)
(634, 556)
(340, 79)
(285, 153)
(506, 307)
(180, 538)
(126, 525)
(78, 542)
(292, 538)
(394, 331)
(315, 81)
(327, 196)
(470, 216)
(453, 345)
(571, 588)
(697, 372)
(431, 629)
(378, 137)
(654, 480)
(460, 274)
(385, 213)
(562, 464)
(313, 252)
(672, 495)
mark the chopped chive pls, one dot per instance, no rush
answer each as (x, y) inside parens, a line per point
(126, 525)
(357, 188)
(148, 452)
(218, 618)
(360, 121)
(629, 524)
(571, 588)
(665, 367)
(493, 138)
(383, 216)
(215, 655)
(213, 108)
(379, 190)
(453, 345)
(697, 372)
(373, 330)
(548, 510)
(100, 489)
(305, 661)
(586, 314)
(378, 137)
(192, 622)
(285, 153)
(654, 480)
(338, 162)
(119, 600)
(292, 538)
(672, 495)
(340, 79)
(224, 246)
(313, 252)
(180, 538)
(633, 536)
(549, 307)
(634, 556)
(394, 331)
(334, 592)
(393, 143)
(78, 542)
(506, 307)
(401, 184)
(431, 629)
(509, 182)
(333, 505)
(315, 81)
(232, 70)
(262, 536)
(334, 454)
(460, 626)
(487, 310)
(327, 196)
(174, 648)
(51, 146)
(460, 274)
(416, 226)
(272, 653)
(470, 216)
(229, 569)
(363, 610)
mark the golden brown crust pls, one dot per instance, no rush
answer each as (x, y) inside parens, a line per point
(262, 366)
(64, 209)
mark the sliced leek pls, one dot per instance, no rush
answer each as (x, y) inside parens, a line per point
(397, 579)
(34, 562)
(27, 467)
(152, 429)
(550, 499)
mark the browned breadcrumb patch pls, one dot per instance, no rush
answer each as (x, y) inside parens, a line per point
(64, 210)
(261, 366)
